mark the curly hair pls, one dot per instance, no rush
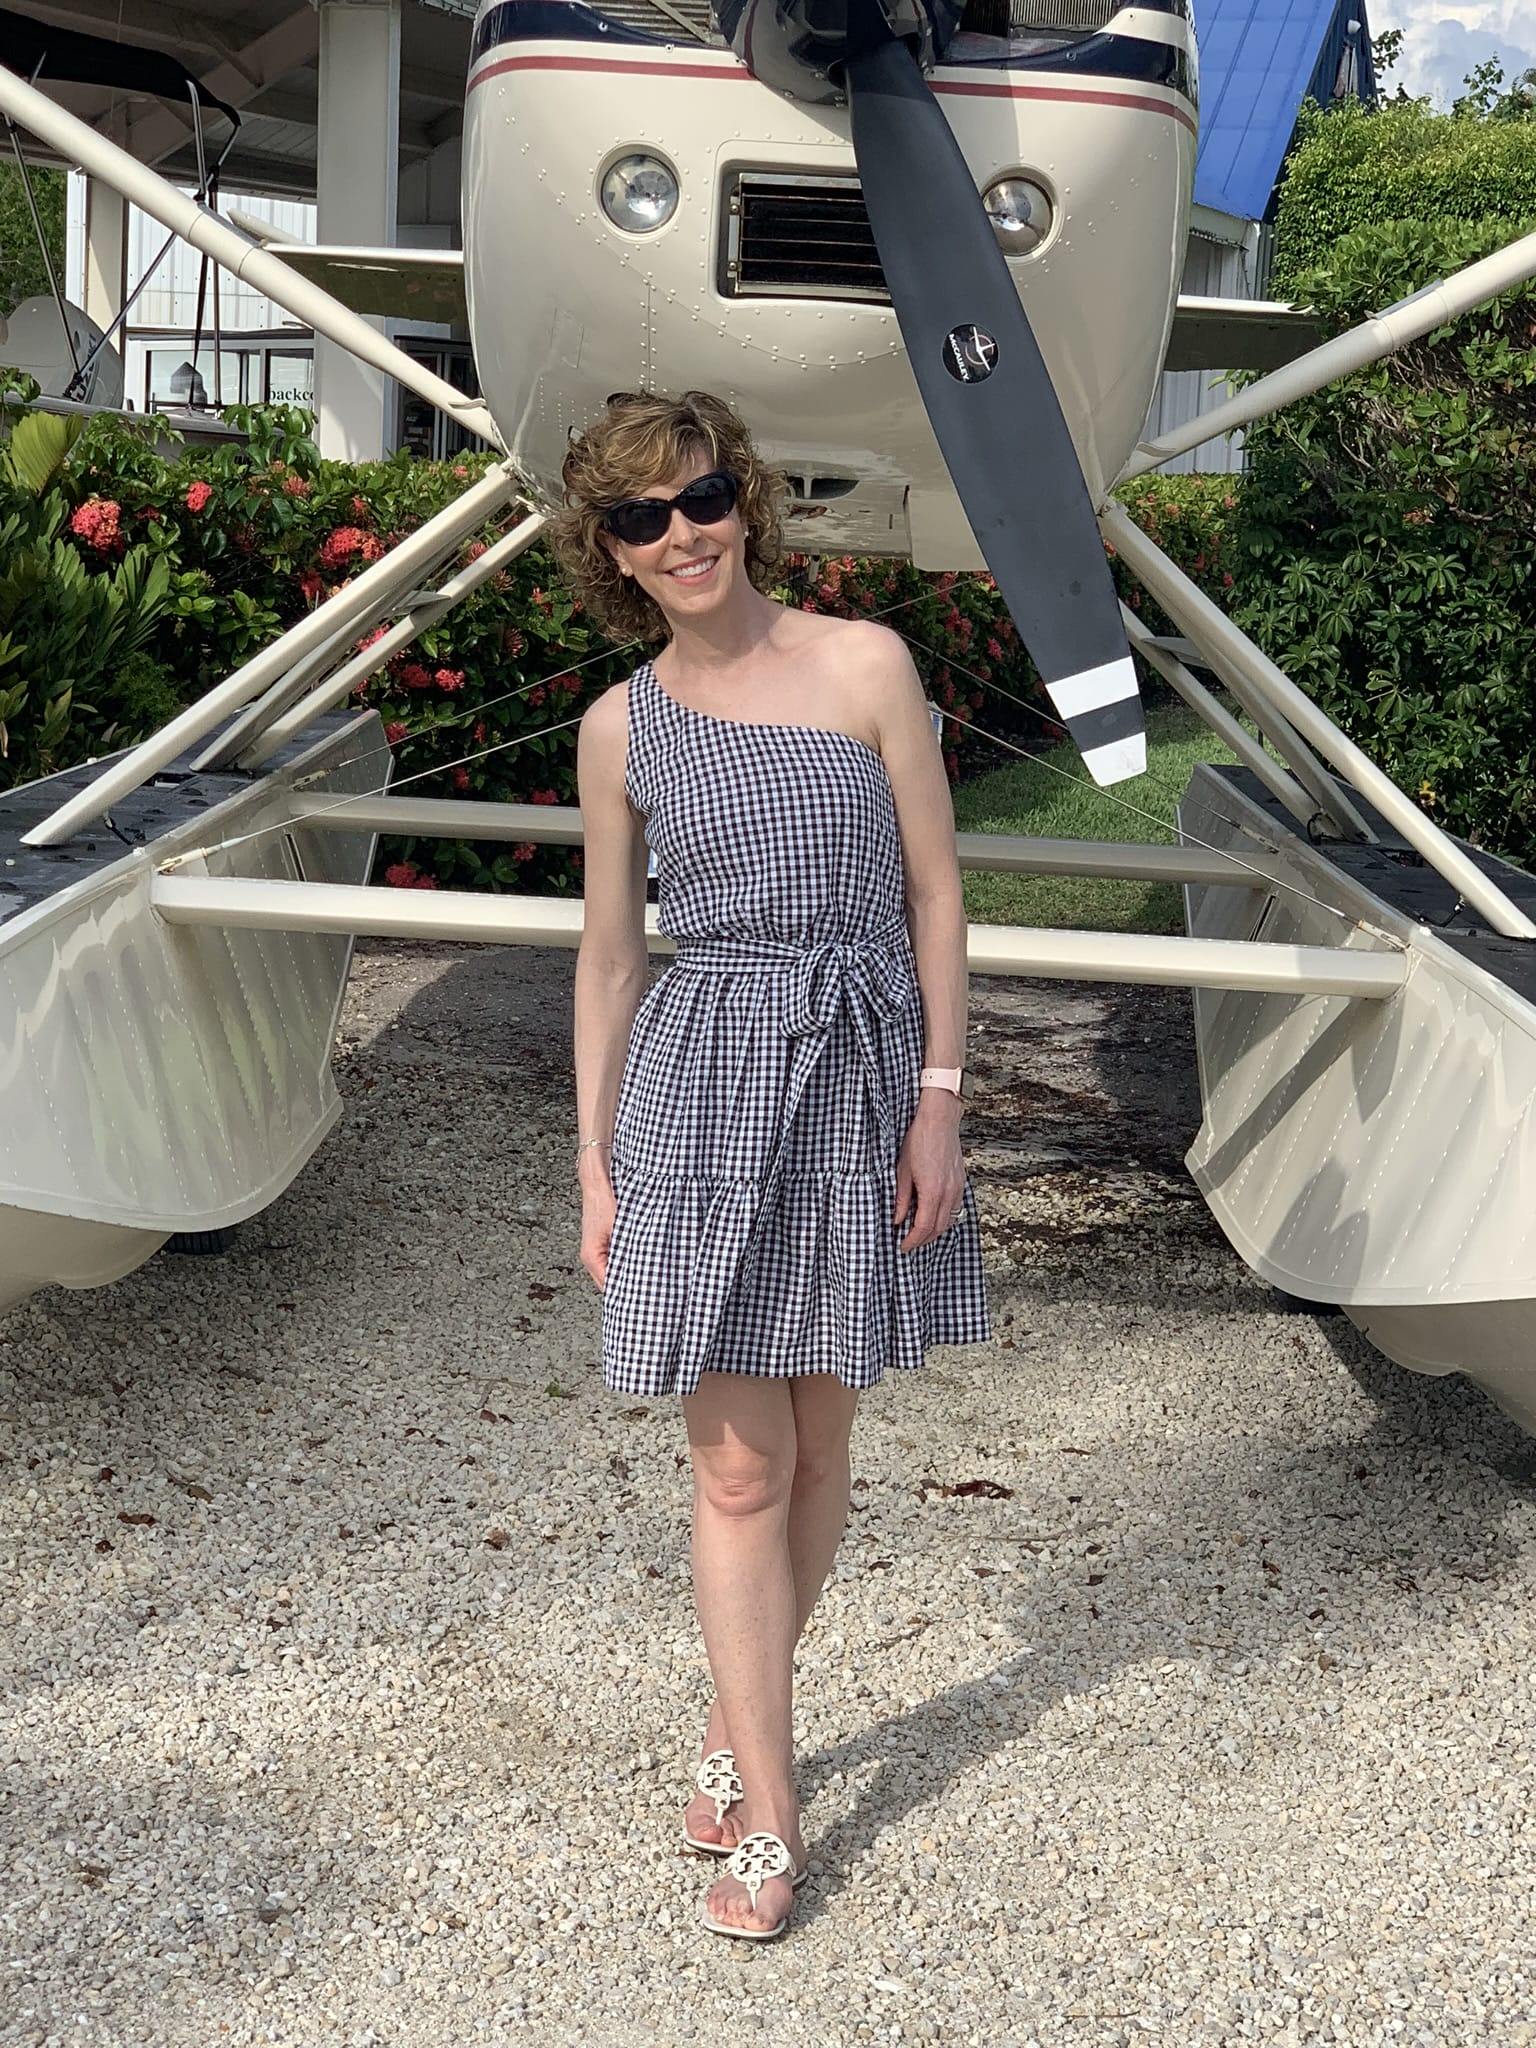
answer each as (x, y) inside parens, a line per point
(639, 437)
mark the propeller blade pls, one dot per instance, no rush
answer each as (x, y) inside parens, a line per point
(990, 400)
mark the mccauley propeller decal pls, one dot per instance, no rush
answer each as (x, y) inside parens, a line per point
(970, 354)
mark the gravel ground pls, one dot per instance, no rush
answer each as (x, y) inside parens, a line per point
(1172, 1685)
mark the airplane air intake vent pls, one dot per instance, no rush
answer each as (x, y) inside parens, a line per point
(665, 18)
(798, 237)
(1067, 14)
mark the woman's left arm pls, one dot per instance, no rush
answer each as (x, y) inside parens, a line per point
(930, 1167)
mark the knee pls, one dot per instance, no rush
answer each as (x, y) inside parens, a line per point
(742, 1482)
(820, 1464)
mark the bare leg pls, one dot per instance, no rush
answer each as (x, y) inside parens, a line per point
(818, 1512)
(741, 1433)
(818, 1505)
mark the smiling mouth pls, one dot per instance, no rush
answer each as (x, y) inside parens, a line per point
(690, 572)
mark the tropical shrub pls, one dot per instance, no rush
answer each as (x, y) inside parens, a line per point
(23, 269)
(208, 556)
(1384, 539)
(75, 674)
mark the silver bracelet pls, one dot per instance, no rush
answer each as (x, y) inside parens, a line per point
(591, 1141)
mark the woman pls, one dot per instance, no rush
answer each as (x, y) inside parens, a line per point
(774, 1202)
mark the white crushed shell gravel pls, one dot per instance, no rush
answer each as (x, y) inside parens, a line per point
(1173, 1685)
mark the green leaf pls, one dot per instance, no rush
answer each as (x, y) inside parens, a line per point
(38, 445)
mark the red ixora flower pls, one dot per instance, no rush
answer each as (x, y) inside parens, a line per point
(296, 487)
(360, 507)
(414, 677)
(96, 522)
(524, 850)
(543, 796)
(395, 732)
(461, 778)
(198, 494)
(369, 639)
(405, 874)
(337, 549)
(312, 583)
(479, 732)
(450, 679)
(995, 649)
(536, 694)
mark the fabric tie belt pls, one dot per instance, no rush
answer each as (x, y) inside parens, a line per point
(868, 976)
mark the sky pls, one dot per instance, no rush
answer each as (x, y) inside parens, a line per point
(1443, 39)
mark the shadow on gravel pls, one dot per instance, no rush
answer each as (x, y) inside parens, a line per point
(1273, 1569)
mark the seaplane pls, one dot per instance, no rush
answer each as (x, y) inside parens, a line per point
(931, 254)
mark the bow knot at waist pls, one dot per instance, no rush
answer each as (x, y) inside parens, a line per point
(871, 970)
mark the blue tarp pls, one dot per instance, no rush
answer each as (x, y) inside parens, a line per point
(1258, 61)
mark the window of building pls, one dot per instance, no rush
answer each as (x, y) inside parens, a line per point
(426, 432)
(172, 377)
(290, 377)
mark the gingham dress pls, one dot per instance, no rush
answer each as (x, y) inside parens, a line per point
(771, 1072)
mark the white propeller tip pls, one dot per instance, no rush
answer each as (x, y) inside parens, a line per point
(1119, 761)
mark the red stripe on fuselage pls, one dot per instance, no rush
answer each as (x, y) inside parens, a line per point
(978, 88)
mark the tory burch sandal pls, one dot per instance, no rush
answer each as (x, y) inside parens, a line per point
(755, 1857)
(719, 1779)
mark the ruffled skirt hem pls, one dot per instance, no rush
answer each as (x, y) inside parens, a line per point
(702, 1278)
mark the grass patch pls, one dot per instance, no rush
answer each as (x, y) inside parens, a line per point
(1029, 797)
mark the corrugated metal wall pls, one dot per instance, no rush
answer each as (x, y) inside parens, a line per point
(170, 297)
(1212, 270)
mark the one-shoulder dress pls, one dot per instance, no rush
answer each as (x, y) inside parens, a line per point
(771, 1072)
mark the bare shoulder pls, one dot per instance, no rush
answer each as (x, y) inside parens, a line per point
(864, 644)
(603, 735)
(878, 646)
(878, 682)
(605, 722)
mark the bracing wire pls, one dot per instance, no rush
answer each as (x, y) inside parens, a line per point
(392, 787)
(1186, 838)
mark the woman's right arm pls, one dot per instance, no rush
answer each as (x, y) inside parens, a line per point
(611, 963)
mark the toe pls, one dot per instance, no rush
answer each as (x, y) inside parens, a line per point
(735, 1909)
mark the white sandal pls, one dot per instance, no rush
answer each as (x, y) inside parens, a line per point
(717, 1777)
(755, 1857)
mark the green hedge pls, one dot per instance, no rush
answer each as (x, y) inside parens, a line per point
(1355, 168)
(1386, 540)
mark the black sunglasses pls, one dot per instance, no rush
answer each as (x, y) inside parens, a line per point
(639, 521)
